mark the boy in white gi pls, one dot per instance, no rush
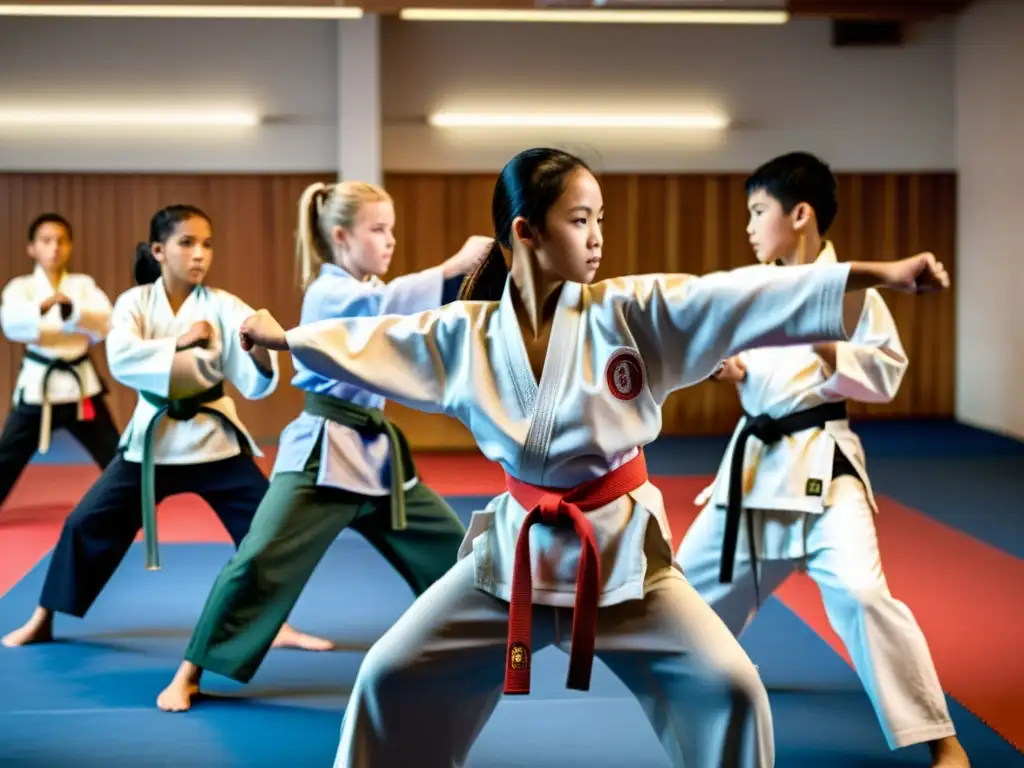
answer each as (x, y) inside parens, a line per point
(794, 475)
(175, 341)
(561, 381)
(58, 316)
(341, 462)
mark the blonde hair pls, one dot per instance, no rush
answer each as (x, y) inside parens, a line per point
(322, 207)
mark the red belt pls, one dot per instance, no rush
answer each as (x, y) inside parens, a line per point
(558, 507)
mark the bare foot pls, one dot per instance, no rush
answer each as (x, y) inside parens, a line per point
(38, 629)
(289, 637)
(177, 697)
(948, 753)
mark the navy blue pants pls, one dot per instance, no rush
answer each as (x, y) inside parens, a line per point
(97, 534)
(20, 438)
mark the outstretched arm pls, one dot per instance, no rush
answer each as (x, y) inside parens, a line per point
(690, 324)
(402, 358)
(404, 295)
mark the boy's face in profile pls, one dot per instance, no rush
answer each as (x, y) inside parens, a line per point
(772, 232)
(51, 247)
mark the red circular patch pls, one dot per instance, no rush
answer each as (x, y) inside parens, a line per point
(625, 375)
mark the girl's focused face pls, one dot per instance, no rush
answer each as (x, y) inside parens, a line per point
(569, 248)
(188, 253)
(368, 247)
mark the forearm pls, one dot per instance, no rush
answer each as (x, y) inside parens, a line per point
(409, 294)
(261, 357)
(866, 274)
(93, 322)
(863, 275)
(183, 380)
(394, 356)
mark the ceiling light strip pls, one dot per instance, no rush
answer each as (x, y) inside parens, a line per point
(199, 11)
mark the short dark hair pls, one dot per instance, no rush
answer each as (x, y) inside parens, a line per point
(528, 186)
(799, 177)
(47, 218)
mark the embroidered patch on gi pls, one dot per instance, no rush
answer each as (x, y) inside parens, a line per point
(625, 374)
(518, 656)
(813, 487)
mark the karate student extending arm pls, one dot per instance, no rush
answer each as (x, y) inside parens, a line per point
(399, 357)
(692, 323)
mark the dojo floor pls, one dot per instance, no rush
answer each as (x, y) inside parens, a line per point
(952, 534)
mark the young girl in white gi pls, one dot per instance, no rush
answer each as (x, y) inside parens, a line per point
(175, 341)
(795, 474)
(58, 316)
(561, 382)
(341, 462)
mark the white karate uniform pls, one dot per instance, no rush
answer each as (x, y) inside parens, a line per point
(200, 455)
(142, 354)
(617, 349)
(51, 336)
(805, 519)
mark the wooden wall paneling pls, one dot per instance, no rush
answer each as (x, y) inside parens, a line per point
(689, 223)
(254, 221)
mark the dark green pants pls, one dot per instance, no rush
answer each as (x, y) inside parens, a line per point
(295, 524)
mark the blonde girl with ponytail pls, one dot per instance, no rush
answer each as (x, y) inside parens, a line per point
(341, 463)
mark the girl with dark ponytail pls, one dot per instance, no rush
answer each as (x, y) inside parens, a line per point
(145, 268)
(561, 380)
(174, 341)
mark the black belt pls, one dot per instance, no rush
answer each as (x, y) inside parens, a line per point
(46, 411)
(769, 431)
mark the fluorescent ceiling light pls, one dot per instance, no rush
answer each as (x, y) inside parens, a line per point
(578, 120)
(199, 11)
(127, 117)
(609, 16)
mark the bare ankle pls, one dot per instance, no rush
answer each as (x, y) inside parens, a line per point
(189, 673)
(948, 752)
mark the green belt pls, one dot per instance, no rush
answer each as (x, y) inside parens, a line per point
(179, 410)
(370, 422)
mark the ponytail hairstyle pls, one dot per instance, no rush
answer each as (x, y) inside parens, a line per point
(146, 269)
(528, 186)
(322, 207)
